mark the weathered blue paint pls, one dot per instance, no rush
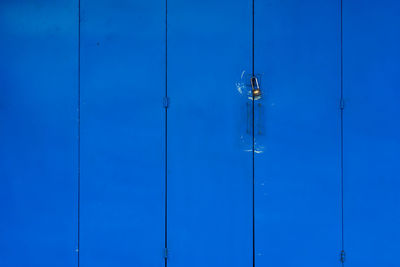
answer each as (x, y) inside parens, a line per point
(122, 133)
(297, 133)
(371, 90)
(209, 151)
(38, 133)
(87, 108)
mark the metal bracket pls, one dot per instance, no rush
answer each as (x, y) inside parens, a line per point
(342, 256)
(166, 102)
(249, 118)
(165, 253)
(341, 103)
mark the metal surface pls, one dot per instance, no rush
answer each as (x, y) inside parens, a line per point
(209, 151)
(122, 133)
(38, 132)
(371, 132)
(83, 128)
(297, 134)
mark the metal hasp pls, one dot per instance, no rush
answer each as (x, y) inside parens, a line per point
(255, 87)
(341, 103)
(342, 256)
(165, 253)
(166, 102)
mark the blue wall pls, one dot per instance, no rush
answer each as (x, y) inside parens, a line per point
(130, 135)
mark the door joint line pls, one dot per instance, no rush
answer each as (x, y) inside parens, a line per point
(166, 104)
(79, 136)
(253, 140)
(342, 106)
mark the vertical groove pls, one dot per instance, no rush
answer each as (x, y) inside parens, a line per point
(166, 135)
(253, 37)
(341, 123)
(253, 145)
(79, 127)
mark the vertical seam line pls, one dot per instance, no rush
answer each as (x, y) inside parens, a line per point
(253, 141)
(79, 127)
(341, 126)
(166, 138)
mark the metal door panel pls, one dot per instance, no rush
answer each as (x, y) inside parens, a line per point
(122, 133)
(209, 152)
(38, 132)
(297, 133)
(371, 132)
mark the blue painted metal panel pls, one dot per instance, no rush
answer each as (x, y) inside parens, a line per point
(209, 151)
(38, 132)
(297, 133)
(122, 133)
(371, 132)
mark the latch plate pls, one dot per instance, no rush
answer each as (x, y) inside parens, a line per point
(165, 253)
(342, 256)
(166, 102)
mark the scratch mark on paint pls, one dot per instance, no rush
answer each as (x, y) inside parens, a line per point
(241, 76)
(240, 87)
